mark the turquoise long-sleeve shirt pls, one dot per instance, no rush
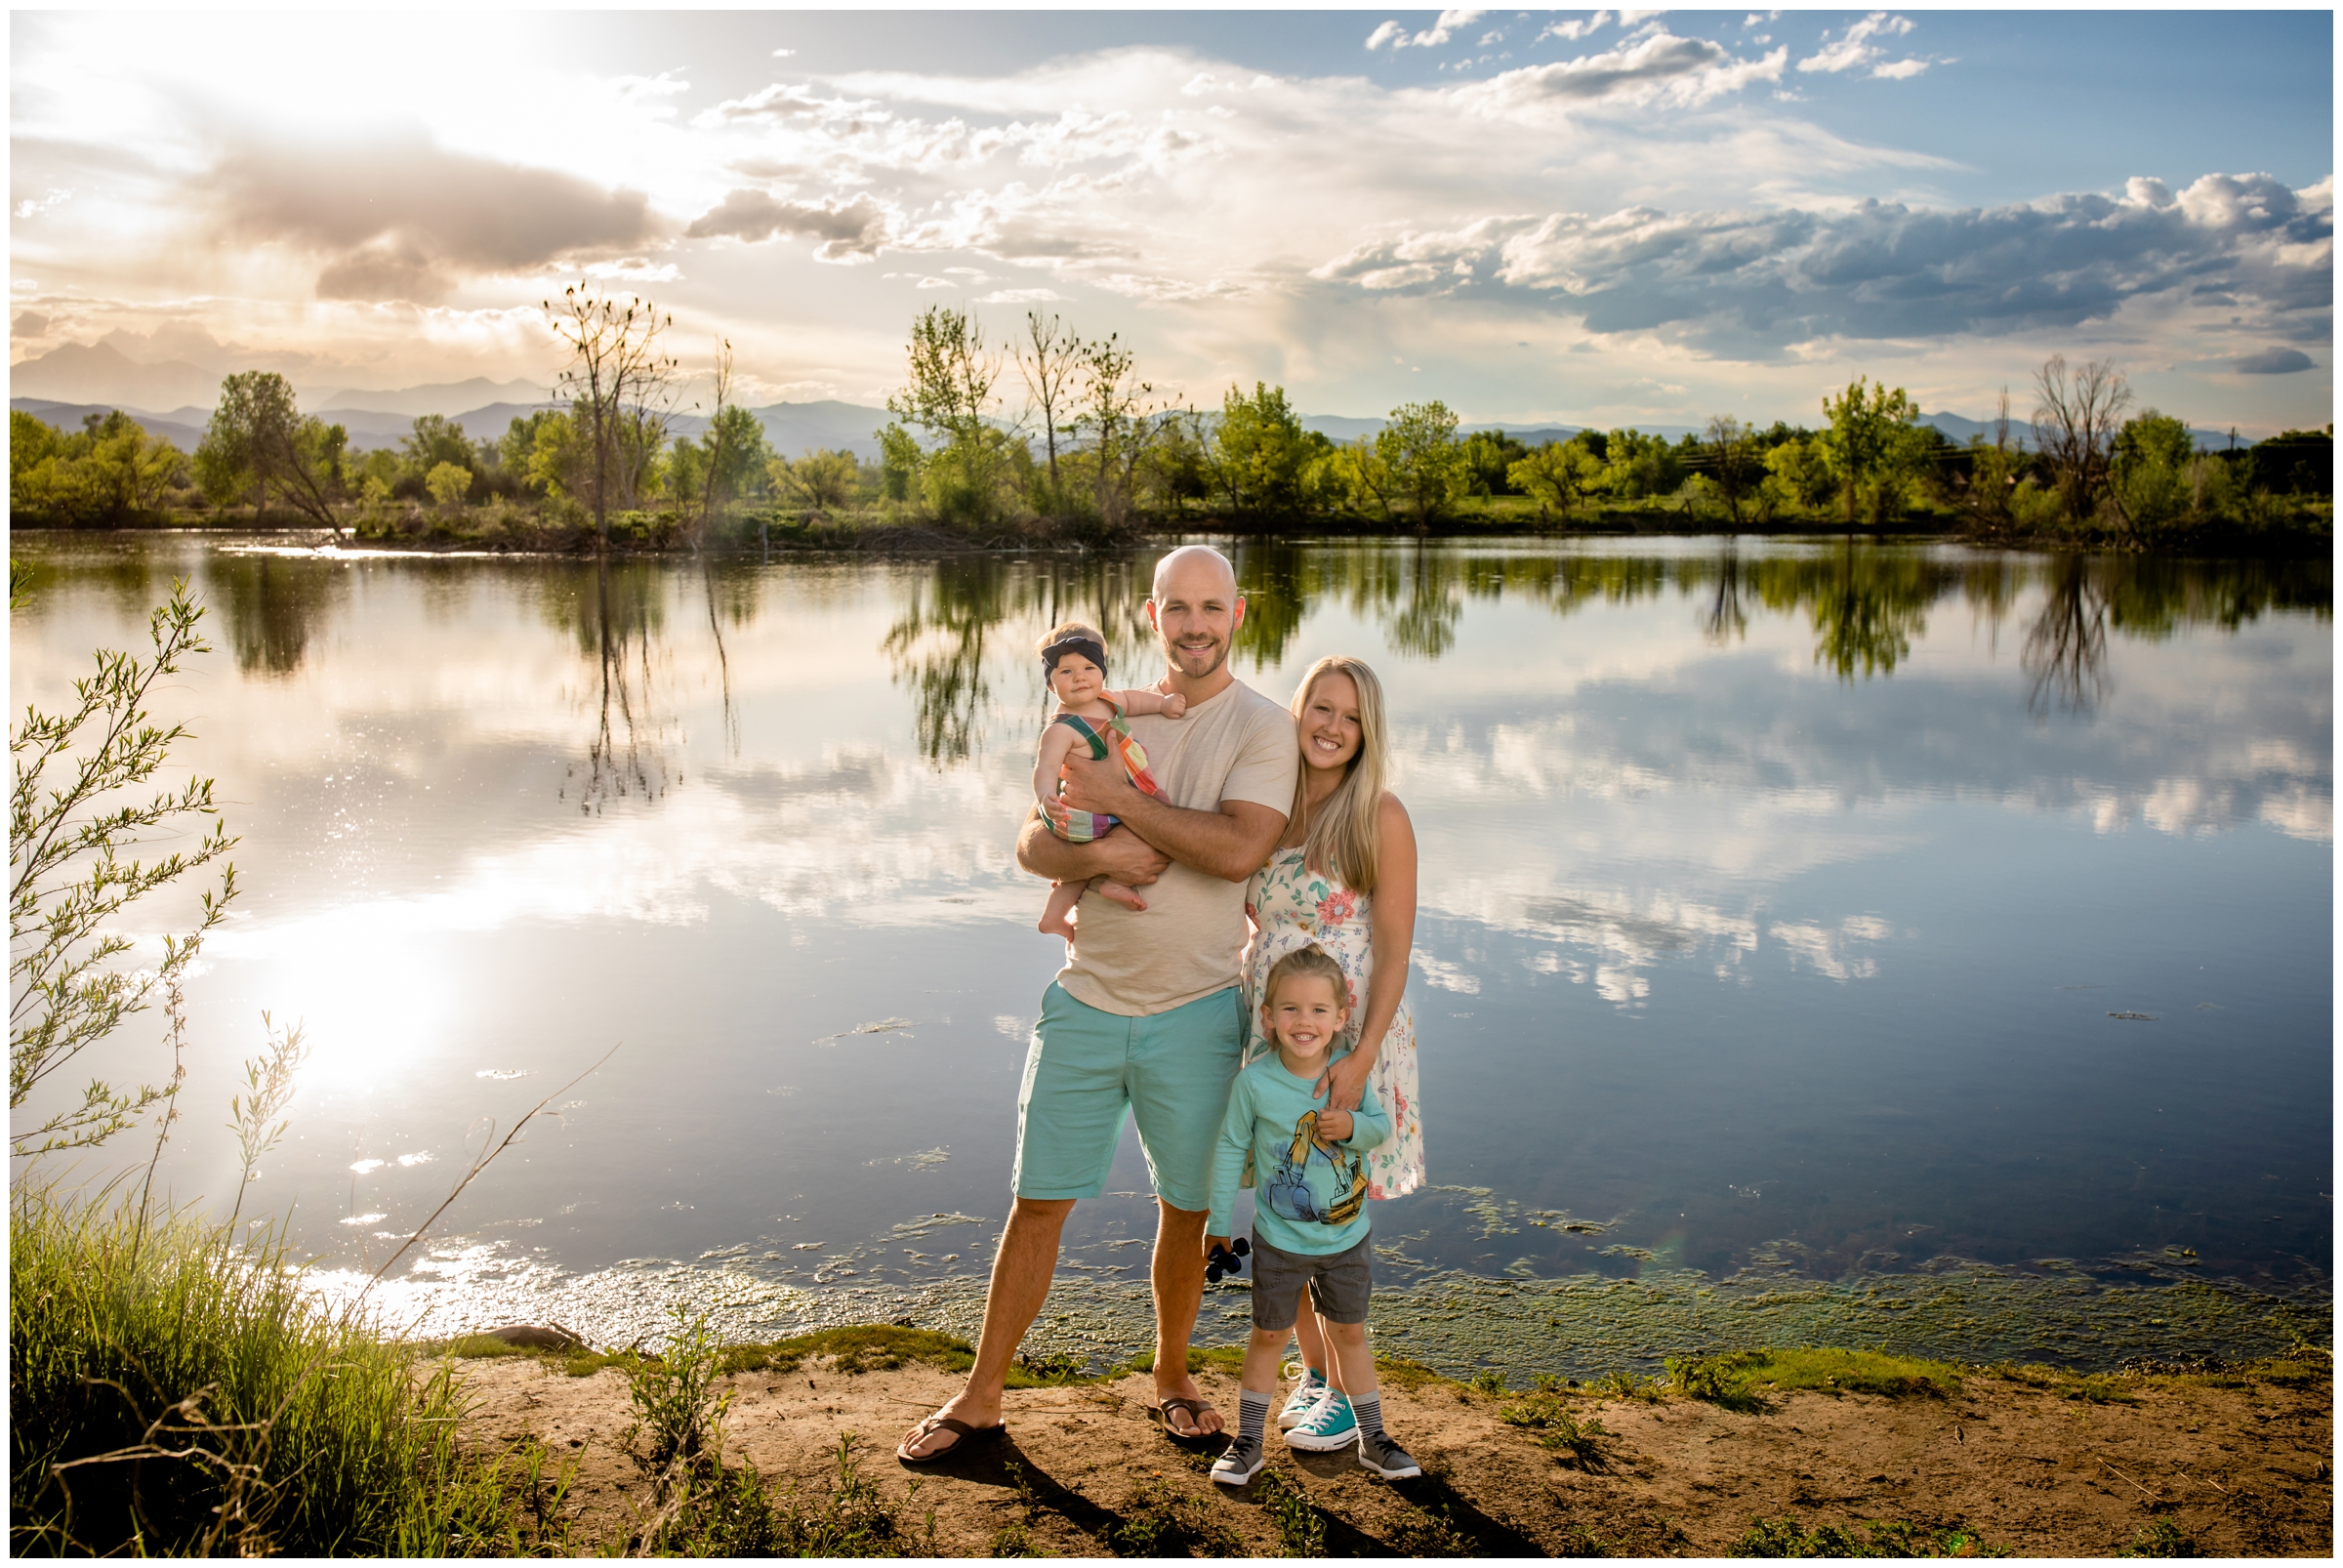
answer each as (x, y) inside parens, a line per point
(1309, 1196)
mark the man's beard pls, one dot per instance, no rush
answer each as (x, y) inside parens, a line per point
(1179, 657)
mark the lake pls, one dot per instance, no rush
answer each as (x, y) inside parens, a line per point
(1899, 943)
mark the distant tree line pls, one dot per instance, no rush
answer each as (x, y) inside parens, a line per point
(1058, 435)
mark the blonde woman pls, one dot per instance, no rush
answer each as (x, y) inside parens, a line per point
(1343, 877)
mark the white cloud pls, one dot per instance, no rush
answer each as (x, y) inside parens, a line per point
(1576, 29)
(1020, 296)
(1661, 67)
(1855, 49)
(1393, 34)
(1749, 282)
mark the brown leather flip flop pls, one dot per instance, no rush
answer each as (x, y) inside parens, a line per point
(1194, 1409)
(968, 1437)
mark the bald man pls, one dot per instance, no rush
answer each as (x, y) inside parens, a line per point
(1144, 1018)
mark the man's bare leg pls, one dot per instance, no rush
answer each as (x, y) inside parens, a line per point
(1021, 1273)
(1178, 1278)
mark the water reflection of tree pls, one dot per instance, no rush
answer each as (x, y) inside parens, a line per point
(616, 612)
(1868, 613)
(1727, 619)
(2066, 647)
(275, 606)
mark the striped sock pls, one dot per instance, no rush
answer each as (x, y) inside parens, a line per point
(1253, 1415)
(1368, 1409)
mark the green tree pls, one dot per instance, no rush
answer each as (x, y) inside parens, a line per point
(108, 468)
(1798, 470)
(517, 446)
(1178, 468)
(1419, 447)
(1636, 465)
(950, 395)
(1489, 459)
(822, 480)
(1556, 475)
(447, 483)
(2155, 475)
(1871, 446)
(259, 441)
(1260, 452)
(434, 440)
(899, 462)
(560, 460)
(1358, 474)
(1117, 421)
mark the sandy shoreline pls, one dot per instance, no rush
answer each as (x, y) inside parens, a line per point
(2236, 1466)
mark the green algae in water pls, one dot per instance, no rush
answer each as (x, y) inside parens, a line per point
(1581, 1327)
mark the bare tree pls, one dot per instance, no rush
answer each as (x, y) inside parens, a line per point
(718, 433)
(2074, 421)
(621, 385)
(1048, 360)
(1117, 413)
(1734, 455)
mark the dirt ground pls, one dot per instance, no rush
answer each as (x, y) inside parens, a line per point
(2236, 1470)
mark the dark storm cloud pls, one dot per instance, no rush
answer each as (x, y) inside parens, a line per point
(408, 219)
(1750, 283)
(849, 230)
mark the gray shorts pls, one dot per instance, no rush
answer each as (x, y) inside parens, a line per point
(1340, 1283)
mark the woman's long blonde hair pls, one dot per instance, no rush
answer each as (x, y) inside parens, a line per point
(1341, 839)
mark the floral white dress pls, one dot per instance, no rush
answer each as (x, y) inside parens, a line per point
(1290, 907)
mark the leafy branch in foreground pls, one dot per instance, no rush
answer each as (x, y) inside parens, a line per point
(71, 875)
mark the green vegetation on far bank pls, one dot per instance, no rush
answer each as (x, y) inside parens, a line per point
(1091, 453)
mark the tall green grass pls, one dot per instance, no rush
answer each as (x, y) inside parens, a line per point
(246, 1414)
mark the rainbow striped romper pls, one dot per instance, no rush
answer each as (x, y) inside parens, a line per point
(1114, 740)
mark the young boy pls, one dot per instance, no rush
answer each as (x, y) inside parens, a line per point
(1309, 1220)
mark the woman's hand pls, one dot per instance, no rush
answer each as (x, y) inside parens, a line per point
(1344, 1084)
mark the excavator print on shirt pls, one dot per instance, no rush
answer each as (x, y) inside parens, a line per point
(1314, 1182)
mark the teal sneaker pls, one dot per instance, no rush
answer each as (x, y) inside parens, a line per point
(1329, 1427)
(1304, 1399)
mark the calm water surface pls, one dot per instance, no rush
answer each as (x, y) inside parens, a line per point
(1779, 900)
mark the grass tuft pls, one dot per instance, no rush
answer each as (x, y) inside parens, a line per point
(250, 1415)
(1544, 1413)
(1740, 1380)
(1300, 1527)
(2160, 1538)
(1880, 1537)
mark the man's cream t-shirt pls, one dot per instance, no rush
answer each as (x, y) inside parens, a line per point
(1190, 939)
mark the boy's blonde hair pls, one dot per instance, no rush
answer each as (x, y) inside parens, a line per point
(1312, 960)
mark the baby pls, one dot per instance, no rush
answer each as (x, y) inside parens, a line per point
(1088, 715)
(1310, 1230)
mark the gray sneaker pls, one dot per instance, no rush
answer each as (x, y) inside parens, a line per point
(1240, 1462)
(1385, 1457)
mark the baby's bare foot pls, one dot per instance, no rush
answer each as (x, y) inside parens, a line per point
(1119, 894)
(1056, 926)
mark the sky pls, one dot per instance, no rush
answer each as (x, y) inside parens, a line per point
(1537, 216)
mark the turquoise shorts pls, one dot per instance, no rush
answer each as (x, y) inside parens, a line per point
(1171, 1071)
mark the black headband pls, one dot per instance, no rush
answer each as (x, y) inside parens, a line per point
(1089, 647)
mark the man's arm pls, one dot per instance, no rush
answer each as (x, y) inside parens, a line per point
(1124, 856)
(1229, 844)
